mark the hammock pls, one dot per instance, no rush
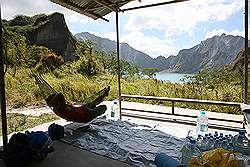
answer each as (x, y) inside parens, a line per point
(80, 113)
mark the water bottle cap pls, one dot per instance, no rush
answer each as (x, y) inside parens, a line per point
(115, 102)
(241, 133)
(203, 113)
(206, 135)
(192, 141)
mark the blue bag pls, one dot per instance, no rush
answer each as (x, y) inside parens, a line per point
(163, 160)
(40, 144)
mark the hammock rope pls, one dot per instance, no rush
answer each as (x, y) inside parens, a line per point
(48, 90)
(44, 86)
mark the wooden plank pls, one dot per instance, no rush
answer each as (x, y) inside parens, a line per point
(182, 115)
(182, 100)
(181, 121)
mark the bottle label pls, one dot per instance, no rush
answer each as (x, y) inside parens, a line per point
(203, 128)
(112, 114)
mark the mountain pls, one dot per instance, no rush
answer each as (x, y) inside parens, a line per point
(127, 53)
(50, 31)
(211, 53)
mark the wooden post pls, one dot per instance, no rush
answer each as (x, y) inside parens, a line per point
(246, 55)
(2, 88)
(118, 61)
(173, 107)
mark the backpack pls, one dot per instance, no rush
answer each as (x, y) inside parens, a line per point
(17, 151)
(40, 144)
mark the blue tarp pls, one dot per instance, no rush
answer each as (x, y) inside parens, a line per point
(124, 141)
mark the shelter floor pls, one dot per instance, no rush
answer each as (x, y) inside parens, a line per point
(66, 155)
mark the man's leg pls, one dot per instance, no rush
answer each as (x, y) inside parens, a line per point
(99, 110)
(99, 99)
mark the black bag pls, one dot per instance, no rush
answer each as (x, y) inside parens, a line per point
(17, 152)
(56, 132)
(23, 148)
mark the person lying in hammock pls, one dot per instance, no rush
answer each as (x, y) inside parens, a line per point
(83, 113)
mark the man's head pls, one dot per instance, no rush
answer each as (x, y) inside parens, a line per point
(57, 101)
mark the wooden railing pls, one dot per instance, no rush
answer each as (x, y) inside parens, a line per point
(181, 100)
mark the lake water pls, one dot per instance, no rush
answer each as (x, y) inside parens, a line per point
(171, 77)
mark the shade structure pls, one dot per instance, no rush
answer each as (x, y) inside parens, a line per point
(93, 8)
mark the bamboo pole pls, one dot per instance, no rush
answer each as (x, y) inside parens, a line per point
(2, 88)
(118, 61)
(246, 55)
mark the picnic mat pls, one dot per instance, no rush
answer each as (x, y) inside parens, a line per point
(124, 141)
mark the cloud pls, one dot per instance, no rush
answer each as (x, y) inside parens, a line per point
(234, 32)
(152, 46)
(181, 17)
(109, 35)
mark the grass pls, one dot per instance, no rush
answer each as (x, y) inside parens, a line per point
(21, 91)
(19, 122)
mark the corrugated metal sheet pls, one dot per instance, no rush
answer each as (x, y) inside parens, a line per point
(92, 8)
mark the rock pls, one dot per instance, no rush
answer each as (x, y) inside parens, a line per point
(211, 53)
(52, 32)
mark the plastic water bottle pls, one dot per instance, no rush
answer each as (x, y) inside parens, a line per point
(202, 123)
(230, 146)
(199, 141)
(241, 143)
(203, 146)
(190, 150)
(114, 114)
(210, 143)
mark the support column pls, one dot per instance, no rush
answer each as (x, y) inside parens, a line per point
(2, 88)
(118, 61)
(246, 55)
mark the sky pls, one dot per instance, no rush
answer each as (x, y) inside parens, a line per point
(157, 31)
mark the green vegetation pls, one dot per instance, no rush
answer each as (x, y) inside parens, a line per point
(95, 69)
(20, 122)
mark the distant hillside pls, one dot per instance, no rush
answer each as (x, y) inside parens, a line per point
(211, 53)
(128, 53)
(50, 31)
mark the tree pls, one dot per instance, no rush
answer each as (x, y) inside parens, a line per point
(150, 72)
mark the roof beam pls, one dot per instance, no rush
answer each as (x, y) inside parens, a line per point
(79, 9)
(111, 5)
(100, 2)
(96, 15)
(87, 7)
(153, 5)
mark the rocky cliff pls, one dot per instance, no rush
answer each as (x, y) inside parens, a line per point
(211, 53)
(54, 34)
(50, 31)
(128, 53)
